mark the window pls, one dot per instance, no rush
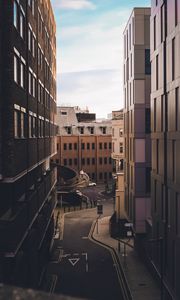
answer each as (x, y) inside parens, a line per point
(100, 146)
(100, 175)
(155, 33)
(31, 6)
(176, 12)
(75, 146)
(32, 83)
(75, 161)
(22, 75)
(65, 146)
(148, 180)
(15, 14)
(57, 146)
(157, 72)
(81, 130)
(120, 132)
(83, 161)
(15, 69)
(162, 113)
(121, 147)
(88, 146)
(110, 160)
(110, 175)
(105, 145)
(93, 161)
(100, 160)
(93, 146)
(32, 125)
(65, 162)
(162, 23)
(112, 131)
(91, 130)
(68, 129)
(147, 62)
(176, 108)
(105, 160)
(173, 160)
(88, 161)
(110, 146)
(16, 124)
(154, 115)
(103, 129)
(82, 146)
(105, 175)
(70, 146)
(70, 162)
(148, 121)
(173, 58)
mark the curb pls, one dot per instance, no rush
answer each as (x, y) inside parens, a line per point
(120, 272)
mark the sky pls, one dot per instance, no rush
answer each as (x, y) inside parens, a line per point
(90, 52)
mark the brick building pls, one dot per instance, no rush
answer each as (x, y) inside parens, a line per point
(27, 138)
(83, 143)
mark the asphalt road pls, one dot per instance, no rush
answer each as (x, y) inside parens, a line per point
(81, 267)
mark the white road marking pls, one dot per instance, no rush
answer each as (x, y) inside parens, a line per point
(73, 261)
(84, 237)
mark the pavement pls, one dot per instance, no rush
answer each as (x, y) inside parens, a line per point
(141, 284)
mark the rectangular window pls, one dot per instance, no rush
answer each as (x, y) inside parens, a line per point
(162, 23)
(22, 25)
(93, 161)
(22, 77)
(100, 160)
(70, 146)
(70, 162)
(16, 135)
(100, 146)
(110, 146)
(174, 160)
(155, 115)
(83, 161)
(88, 146)
(110, 160)
(82, 146)
(147, 62)
(75, 146)
(65, 146)
(65, 162)
(121, 147)
(176, 12)
(100, 175)
(88, 161)
(154, 32)
(157, 72)
(105, 160)
(75, 161)
(162, 113)
(15, 14)
(173, 58)
(22, 124)
(176, 108)
(105, 145)
(148, 121)
(15, 69)
(93, 146)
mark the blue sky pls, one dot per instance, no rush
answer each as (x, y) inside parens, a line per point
(90, 52)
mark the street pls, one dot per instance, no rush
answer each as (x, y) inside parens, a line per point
(80, 267)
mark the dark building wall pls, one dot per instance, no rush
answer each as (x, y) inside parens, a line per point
(27, 139)
(165, 99)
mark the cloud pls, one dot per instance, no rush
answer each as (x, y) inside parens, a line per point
(74, 4)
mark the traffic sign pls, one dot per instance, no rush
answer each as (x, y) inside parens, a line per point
(128, 224)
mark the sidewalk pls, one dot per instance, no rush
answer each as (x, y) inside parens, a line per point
(141, 283)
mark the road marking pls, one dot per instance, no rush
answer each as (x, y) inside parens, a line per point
(84, 237)
(87, 265)
(53, 284)
(87, 268)
(75, 254)
(73, 261)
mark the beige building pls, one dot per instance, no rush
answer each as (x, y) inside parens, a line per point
(137, 83)
(117, 140)
(165, 126)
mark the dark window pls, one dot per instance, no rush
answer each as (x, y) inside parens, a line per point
(81, 129)
(75, 146)
(162, 23)
(93, 175)
(110, 175)
(173, 58)
(65, 146)
(100, 145)
(105, 160)
(162, 113)
(88, 146)
(93, 161)
(176, 12)
(155, 33)
(83, 161)
(110, 145)
(82, 146)
(100, 160)
(91, 129)
(110, 160)
(176, 108)
(75, 161)
(57, 161)
(105, 175)
(105, 145)
(148, 180)
(173, 160)
(65, 162)
(68, 129)
(147, 62)
(154, 115)
(70, 162)
(57, 146)
(93, 146)
(148, 120)
(88, 161)
(157, 72)
(70, 146)
(100, 175)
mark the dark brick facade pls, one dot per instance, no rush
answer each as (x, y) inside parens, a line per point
(27, 179)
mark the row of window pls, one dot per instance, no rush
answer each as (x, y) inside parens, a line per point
(86, 161)
(19, 18)
(84, 146)
(37, 126)
(120, 132)
(82, 129)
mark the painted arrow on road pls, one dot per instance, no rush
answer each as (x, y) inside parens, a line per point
(73, 261)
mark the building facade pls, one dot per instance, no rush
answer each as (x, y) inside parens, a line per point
(117, 140)
(165, 108)
(27, 138)
(137, 86)
(83, 143)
